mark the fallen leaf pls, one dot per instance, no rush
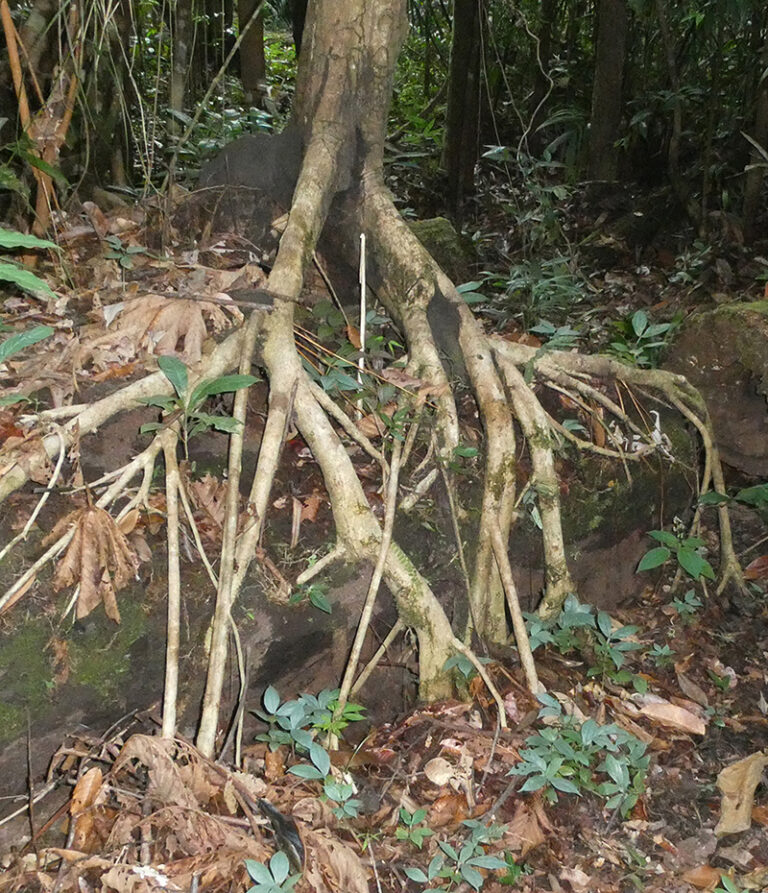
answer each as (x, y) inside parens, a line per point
(738, 783)
(757, 569)
(439, 771)
(691, 690)
(704, 877)
(98, 558)
(667, 714)
(332, 865)
(524, 831)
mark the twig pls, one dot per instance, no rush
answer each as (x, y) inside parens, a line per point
(518, 623)
(170, 441)
(374, 661)
(378, 571)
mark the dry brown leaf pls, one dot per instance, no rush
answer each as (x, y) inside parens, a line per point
(371, 425)
(87, 793)
(209, 496)
(311, 506)
(704, 877)
(169, 325)
(353, 335)
(98, 558)
(274, 764)
(524, 832)
(578, 879)
(661, 711)
(738, 783)
(691, 690)
(165, 781)
(757, 569)
(332, 866)
(448, 809)
(439, 771)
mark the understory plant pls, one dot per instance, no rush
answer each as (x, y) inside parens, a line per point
(579, 628)
(454, 866)
(569, 757)
(186, 405)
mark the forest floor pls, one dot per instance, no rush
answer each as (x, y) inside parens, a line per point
(426, 801)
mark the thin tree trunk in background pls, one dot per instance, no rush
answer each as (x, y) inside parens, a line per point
(182, 35)
(462, 125)
(755, 178)
(542, 82)
(713, 105)
(610, 53)
(253, 66)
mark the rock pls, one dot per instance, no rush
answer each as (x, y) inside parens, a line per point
(724, 353)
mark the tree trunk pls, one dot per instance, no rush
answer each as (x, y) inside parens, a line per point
(755, 178)
(462, 120)
(253, 67)
(181, 19)
(610, 52)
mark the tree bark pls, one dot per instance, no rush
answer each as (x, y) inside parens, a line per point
(462, 119)
(610, 53)
(755, 178)
(253, 66)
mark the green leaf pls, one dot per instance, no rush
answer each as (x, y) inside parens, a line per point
(11, 239)
(654, 558)
(309, 773)
(617, 770)
(53, 172)
(258, 872)
(176, 372)
(664, 537)
(22, 340)
(318, 599)
(223, 423)
(271, 699)
(163, 401)
(639, 322)
(25, 279)
(493, 863)
(605, 624)
(472, 877)
(279, 866)
(320, 757)
(225, 384)
(416, 874)
(564, 785)
(694, 565)
(10, 399)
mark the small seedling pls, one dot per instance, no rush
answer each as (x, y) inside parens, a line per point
(341, 794)
(570, 759)
(514, 871)
(295, 722)
(273, 878)
(315, 593)
(123, 254)
(687, 606)
(661, 655)
(461, 866)
(410, 830)
(186, 404)
(687, 551)
(639, 341)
